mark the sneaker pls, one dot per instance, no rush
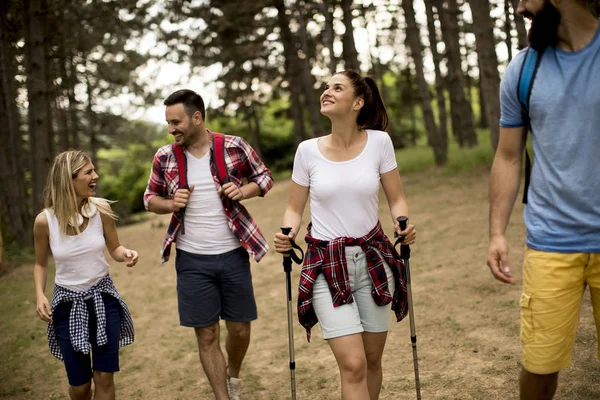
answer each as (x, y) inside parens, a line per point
(234, 387)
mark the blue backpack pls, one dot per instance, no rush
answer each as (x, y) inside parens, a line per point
(526, 77)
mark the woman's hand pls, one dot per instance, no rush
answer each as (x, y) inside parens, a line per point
(282, 242)
(130, 257)
(410, 233)
(43, 308)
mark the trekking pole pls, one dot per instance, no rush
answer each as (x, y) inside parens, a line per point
(405, 255)
(287, 267)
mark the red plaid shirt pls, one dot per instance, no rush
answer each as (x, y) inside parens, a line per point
(329, 258)
(242, 162)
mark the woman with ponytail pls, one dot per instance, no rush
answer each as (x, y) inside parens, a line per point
(350, 278)
(86, 310)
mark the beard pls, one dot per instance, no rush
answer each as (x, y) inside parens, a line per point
(544, 28)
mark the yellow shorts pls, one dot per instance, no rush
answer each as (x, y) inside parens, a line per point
(553, 286)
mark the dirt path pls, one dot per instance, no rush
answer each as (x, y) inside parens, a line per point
(467, 324)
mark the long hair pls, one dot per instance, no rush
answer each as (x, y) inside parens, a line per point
(373, 114)
(59, 195)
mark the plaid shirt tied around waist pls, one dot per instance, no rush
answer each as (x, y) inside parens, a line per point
(329, 258)
(79, 317)
(241, 162)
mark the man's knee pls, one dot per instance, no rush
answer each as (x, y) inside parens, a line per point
(239, 330)
(208, 336)
(103, 380)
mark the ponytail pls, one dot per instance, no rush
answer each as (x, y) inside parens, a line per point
(372, 115)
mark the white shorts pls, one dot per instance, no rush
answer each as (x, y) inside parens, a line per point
(362, 315)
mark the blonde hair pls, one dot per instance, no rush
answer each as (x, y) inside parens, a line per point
(59, 195)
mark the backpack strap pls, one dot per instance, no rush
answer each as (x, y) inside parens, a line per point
(183, 183)
(529, 70)
(219, 154)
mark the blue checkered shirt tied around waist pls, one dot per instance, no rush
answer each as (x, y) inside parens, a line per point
(79, 317)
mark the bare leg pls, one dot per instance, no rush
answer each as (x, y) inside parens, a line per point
(238, 340)
(350, 355)
(83, 392)
(537, 387)
(104, 386)
(374, 344)
(212, 359)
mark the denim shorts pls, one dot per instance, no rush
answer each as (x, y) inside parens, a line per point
(210, 287)
(103, 358)
(362, 315)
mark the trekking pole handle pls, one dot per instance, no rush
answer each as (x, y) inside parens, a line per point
(404, 248)
(403, 222)
(285, 230)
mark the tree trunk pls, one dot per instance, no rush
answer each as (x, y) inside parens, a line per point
(12, 174)
(91, 117)
(416, 49)
(483, 121)
(350, 54)
(507, 27)
(254, 123)
(37, 97)
(440, 87)
(488, 65)
(520, 25)
(292, 72)
(73, 111)
(311, 99)
(461, 112)
(328, 8)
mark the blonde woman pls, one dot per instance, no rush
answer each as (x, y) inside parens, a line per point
(86, 310)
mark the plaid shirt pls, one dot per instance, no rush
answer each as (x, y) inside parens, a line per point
(329, 258)
(242, 162)
(79, 317)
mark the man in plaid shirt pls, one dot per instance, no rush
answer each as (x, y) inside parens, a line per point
(212, 262)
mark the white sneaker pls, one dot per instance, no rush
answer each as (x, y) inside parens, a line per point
(234, 387)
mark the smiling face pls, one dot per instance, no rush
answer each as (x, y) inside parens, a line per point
(85, 182)
(339, 99)
(186, 130)
(545, 20)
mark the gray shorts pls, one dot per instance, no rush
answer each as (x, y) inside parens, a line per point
(210, 287)
(362, 315)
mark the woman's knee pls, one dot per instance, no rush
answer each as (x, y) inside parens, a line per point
(354, 368)
(81, 391)
(103, 380)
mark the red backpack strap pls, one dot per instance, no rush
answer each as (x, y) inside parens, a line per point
(181, 166)
(219, 154)
(183, 184)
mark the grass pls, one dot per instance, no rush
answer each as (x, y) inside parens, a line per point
(420, 158)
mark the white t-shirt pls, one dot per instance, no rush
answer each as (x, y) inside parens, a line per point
(207, 230)
(79, 259)
(344, 196)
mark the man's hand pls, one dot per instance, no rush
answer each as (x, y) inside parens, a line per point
(232, 191)
(497, 259)
(182, 196)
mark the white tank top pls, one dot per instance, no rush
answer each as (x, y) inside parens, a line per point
(79, 259)
(207, 229)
